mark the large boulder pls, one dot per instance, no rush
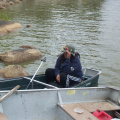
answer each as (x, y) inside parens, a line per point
(20, 55)
(13, 71)
(7, 26)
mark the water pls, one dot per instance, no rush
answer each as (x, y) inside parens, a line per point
(92, 26)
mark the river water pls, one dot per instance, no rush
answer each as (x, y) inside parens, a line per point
(92, 26)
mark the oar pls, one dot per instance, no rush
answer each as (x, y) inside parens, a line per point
(9, 93)
(42, 83)
(43, 60)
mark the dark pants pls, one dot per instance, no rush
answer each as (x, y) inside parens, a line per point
(50, 77)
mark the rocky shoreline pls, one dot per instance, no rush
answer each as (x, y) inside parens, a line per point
(16, 56)
(5, 3)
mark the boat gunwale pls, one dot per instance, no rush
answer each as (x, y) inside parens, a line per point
(59, 89)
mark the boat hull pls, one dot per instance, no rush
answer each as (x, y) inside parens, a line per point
(90, 78)
(48, 104)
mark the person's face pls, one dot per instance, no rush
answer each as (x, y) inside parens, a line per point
(65, 54)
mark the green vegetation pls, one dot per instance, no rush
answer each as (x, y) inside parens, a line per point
(4, 15)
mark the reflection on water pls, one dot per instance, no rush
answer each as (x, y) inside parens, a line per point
(93, 26)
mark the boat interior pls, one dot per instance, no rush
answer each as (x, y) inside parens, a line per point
(106, 109)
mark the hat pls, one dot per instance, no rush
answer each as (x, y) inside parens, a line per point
(71, 48)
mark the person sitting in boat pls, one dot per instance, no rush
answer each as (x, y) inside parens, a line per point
(68, 68)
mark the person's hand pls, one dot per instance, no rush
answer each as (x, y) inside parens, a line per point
(68, 54)
(58, 78)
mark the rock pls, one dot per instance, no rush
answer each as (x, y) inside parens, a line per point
(20, 55)
(7, 26)
(2, 7)
(2, 1)
(11, 3)
(28, 26)
(12, 71)
(27, 46)
(17, 1)
(6, 4)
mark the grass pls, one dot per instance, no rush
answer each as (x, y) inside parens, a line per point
(4, 15)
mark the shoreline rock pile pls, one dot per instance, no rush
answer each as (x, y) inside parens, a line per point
(5, 3)
(26, 53)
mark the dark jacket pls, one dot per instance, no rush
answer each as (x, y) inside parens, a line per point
(72, 67)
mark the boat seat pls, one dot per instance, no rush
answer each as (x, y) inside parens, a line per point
(88, 109)
(102, 106)
(60, 86)
(85, 77)
(86, 115)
